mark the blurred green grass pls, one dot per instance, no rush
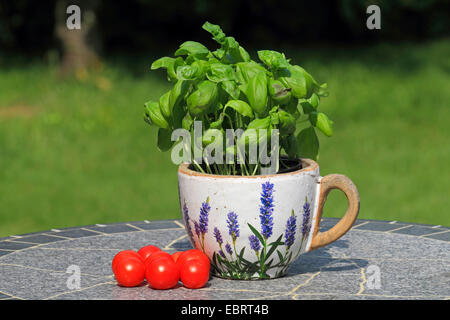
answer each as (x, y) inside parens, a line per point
(77, 152)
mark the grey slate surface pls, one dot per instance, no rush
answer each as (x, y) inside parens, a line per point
(413, 262)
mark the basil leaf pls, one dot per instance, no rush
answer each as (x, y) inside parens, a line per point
(321, 122)
(153, 114)
(231, 88)
(178, 93)
(219, 53)
(163, 62)
(279, 93)
(244, 54)
(187, 122)
(210, 135)
(308, 143)
(273, 59)
(307, 107)
(249, 137)
(193, 48)
(164, 105)
(203, 98)
(296, 78)
(178, 114)
(164, 139)
(194, 71)
(261, 123)
(287, 123)
(256, 93)
(247, 70)
(215, 30)
(171, 64)
(314, 100)
(310, 105)
(218, 72)
(292, 108)
(218, 123)
(321, 90)
(241, 107)
(291, 146)
(231, 51)
(235, 53)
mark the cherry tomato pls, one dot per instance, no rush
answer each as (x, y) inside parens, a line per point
(190, 255)
(176, 255)
(162, 273)
(129, 271)
(122, 254)
(157, 255)
(194, 273)
(146, 251)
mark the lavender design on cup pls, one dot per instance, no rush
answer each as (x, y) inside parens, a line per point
(255, 244)
(266, 209)
(289, 238)
(218, 237)
(229, 262)
(187, 221)
(233, 226)
(229, 249)
(289, 235)
(233, 229)
(306, 225)
(197, 229)
(221, 262)
(201, 228)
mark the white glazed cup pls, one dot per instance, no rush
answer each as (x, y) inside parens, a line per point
(254, 227)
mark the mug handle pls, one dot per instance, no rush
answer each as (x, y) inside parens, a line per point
(328, 183)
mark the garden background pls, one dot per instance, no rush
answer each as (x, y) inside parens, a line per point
(74, 149)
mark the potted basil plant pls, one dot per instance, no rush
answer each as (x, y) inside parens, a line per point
(251, 194)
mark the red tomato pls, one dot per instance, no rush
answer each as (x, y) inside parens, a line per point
(190, 255)
(157, 255)
(146, 251)
(176, 255)
(122, 254)
(194, 273)
(162, 273)
(129, 271)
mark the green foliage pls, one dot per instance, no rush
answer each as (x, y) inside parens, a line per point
(225, 89)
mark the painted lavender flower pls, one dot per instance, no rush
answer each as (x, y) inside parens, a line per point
(221, 253)
(203, 220)
(289, 235)
(218, 236)
(266, 209)
(306, 226)
(233, 225)
(186, 220)
(254, 243)
(201, 227)
(197, 228)
(229, 249)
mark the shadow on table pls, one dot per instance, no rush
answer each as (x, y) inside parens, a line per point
(323, 260)
(317, 260)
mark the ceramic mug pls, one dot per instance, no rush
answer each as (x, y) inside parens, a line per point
(254, 227)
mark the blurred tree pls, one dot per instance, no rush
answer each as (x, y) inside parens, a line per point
(78, 52)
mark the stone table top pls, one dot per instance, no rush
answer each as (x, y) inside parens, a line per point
(374, 260)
